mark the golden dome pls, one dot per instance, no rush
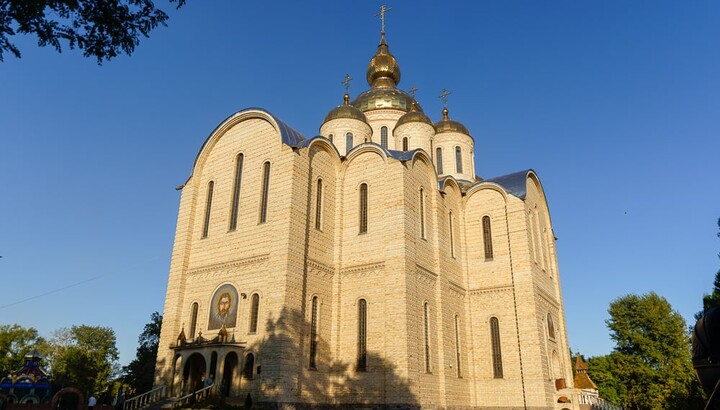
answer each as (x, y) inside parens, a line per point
(448, 125)
(384, 97)
(345, 111)
(383, 70)
(413, 116)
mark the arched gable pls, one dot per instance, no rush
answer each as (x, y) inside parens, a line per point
(285, 134)
(364, 149)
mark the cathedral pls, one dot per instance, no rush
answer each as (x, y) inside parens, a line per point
(365, 267)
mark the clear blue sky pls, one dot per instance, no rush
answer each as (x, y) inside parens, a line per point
(616, 105)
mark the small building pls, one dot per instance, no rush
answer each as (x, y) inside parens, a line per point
(29, 384)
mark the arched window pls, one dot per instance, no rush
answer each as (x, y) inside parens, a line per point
(405, 144)
(457, 346)
(362, 336)
(330, 137)
(318, 205)
(422, 213)
(314, 332)
(458, 159)
(384, 137)
(438, 155)
(496, 352)
(265, 189)
(208, 207)
(487, 238)
(452, 236)
(254, 311)
(551, 326)
(348, 142)
(363, 217)
(236, 192)
(249, 366)
(193, 319)
(426, 335)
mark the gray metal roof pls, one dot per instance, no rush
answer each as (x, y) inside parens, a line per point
(514, 183)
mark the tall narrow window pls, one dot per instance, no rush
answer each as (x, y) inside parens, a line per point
(236, 192)
(265, 189)
(405, 144)
(318, 205)
(249, 366)
(426, 335)
(330, 137)
(496, 352)
(452, 236)
(438, 154)
(457, 346)
(314, 332)
(362, 336)
(193, 320)
(254, 311)
(348, 142)
(487, 238)
(384, 137)
(422, 213)
(208, 207)
(551, 327)
(363, 208)
(458, 160)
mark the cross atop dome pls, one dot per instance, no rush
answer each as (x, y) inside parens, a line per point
(381, 14)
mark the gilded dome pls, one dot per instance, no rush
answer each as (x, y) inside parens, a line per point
(448, 125)
(413, 116)
(384, 97)
(383, 70)
(345, 111)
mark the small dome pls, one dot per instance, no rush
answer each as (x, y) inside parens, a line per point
(345, 111)
(448, 125)
(413, 116)
(383, 70)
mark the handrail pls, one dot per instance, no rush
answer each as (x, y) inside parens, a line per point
(197, 395)
(144, 399)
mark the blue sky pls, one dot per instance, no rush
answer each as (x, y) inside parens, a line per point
(615, 104)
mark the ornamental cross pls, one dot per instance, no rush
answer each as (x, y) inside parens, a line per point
(382, 12)
(443, 96)
(346, 81)
(412, 92)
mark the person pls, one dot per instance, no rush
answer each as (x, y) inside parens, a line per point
(92, 401)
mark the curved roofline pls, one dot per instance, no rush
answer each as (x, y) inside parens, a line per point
(288, 135)
(442, 182)
(319, 139)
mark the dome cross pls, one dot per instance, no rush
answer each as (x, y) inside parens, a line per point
(381, 14)
(346, 81)
(443, 96)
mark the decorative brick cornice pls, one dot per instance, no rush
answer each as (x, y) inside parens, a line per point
(547, 300)
(456, 288)
(363, 269)
(253, 260)
(319, 269)
(426, 275)
(495, 289)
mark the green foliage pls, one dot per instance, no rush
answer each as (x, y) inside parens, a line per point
(102, 29)
(140, 373)
(15, 342)
(602, 371)
(650, 365)
(84, 357)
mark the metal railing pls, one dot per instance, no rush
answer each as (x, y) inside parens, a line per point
(193, 397)
(145, 399)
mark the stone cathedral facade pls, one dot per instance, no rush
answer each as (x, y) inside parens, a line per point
(365, 267)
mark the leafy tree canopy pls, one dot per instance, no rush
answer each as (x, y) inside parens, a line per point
(101, 28)
(15, 342)
(651, 360)
(85, 357)
(140, 373)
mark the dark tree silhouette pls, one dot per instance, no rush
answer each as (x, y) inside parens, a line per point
(101, 28)
(140, 372)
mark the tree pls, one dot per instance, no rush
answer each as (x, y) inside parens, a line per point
(84, 357)
(140, 373)
(15, 342)
(102, 29)
(651, 360)
(602, 371)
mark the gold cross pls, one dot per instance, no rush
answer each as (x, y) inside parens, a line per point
(443, 96)
(382, 12)
(412, 92)
(346, 81)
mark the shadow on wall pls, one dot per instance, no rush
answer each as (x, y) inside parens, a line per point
(281, 372)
